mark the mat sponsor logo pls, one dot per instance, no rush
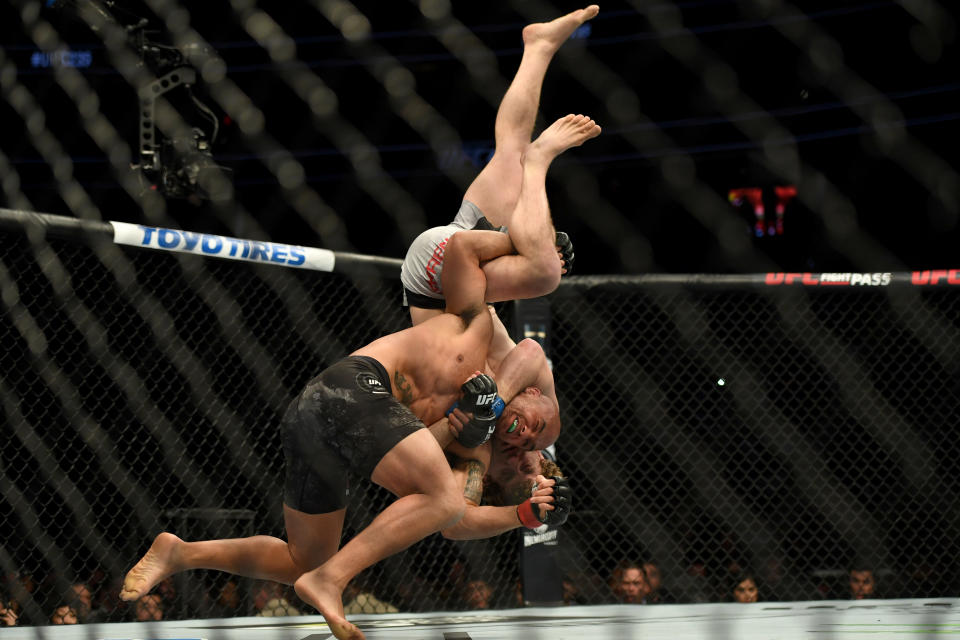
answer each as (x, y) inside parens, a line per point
(829, 279)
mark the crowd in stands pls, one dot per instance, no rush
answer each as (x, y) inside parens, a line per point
(25, 600)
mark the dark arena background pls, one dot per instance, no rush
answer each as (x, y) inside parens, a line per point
(757, 357)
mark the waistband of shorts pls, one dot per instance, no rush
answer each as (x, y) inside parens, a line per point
(411, 299)
(375, 364)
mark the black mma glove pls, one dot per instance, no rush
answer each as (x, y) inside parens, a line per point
(531, 516)
(565, 247)
(479, 397)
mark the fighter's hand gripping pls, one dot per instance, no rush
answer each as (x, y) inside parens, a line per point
(550, 503)
(478, 400)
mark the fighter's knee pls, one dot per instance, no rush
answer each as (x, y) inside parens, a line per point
(451, 506)
(545, 277)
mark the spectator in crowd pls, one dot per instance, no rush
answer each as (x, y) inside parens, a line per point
(21, 587)
(27, 583)
(656, 594)
(628, 582)
(229, 602)
(108, 606)
(693, 585)
(571, 591)
(518, 601)
(148, 608)
(862, 583)
(168, 589)
(449, 589)
(743, 587)
(64, 614)
(270, 600)
(8, 614)
(415, 593)
(81, 599)
(359, 597)
(922, 578)
(477, 594)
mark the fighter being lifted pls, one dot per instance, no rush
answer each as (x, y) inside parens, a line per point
(507, 192)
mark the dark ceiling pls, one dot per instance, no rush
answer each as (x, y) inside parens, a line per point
(864, 93)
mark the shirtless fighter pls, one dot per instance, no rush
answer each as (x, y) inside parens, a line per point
(367, 413)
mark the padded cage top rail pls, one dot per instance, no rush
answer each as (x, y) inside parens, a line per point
(313, 258)
(204, 244)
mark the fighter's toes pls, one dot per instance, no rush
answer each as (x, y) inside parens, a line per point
(129, 595)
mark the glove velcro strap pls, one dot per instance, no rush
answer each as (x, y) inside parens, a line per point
(498, 406)
(527, 514)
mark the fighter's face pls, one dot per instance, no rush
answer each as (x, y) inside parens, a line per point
(529, 422)
(510, 464)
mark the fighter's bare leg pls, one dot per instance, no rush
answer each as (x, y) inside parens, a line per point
(417, 465)
(497, 187)
(535, 269)
(262, 557)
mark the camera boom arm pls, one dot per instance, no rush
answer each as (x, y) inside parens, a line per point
(148, 94)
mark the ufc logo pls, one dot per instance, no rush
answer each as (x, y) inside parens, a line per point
(485, 399)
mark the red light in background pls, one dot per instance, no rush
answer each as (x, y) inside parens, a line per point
(754, 196)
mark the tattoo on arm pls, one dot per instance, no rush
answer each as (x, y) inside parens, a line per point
(474, 489)
(406, 393)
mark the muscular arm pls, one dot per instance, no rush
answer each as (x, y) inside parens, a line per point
(442, 432)
(478, 521)
(524, 365)
(469, 467)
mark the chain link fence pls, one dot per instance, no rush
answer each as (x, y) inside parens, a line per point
(793, 433)
(709, 429)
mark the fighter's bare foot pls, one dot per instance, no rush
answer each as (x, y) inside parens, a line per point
(323, 595)
(551, 35)
(569, 131)
(160, 561)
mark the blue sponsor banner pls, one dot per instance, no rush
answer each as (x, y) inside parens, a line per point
(287, 255)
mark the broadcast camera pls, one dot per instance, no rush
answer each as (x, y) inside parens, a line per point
(181, 164)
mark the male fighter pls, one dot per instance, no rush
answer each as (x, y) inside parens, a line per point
(517, 486)
(367, 413)
(507, 192)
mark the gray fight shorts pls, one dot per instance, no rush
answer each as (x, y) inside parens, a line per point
(423, 264)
